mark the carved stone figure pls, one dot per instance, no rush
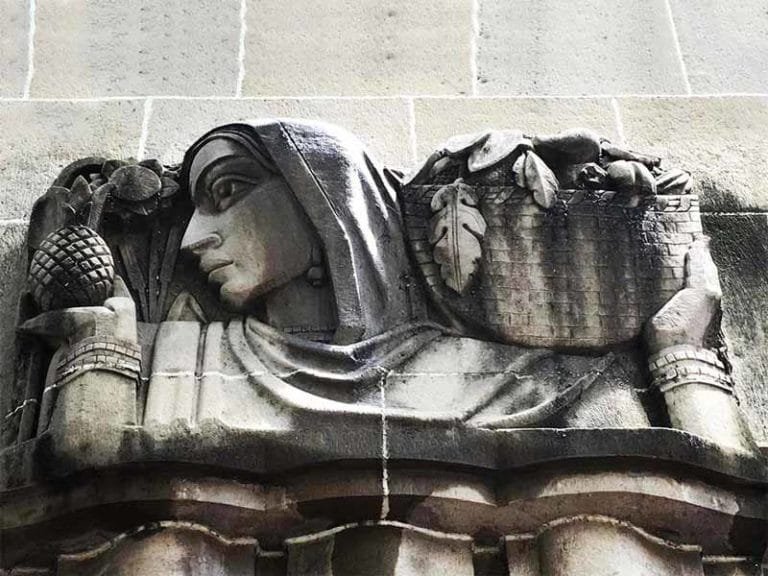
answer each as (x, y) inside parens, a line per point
(513, 282)
(300, 232)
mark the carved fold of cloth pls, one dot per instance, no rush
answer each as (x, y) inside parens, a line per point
(249, 375)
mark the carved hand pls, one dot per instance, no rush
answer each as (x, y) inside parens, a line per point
(115, 319)
(689, 314)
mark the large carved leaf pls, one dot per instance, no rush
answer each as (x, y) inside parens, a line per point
(499, 145)
(533, 174)
(456, 230)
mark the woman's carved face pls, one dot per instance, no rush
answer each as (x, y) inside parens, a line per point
(248, 229)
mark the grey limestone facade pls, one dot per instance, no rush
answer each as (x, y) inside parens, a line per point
(407, 288)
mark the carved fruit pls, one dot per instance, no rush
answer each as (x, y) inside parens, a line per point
(631, 177)
(674, 181)
(576, 146)
(135, 183)
(72, 267)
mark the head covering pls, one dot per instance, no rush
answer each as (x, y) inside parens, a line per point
(351, 204)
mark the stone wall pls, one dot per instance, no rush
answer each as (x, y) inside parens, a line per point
(685, 80)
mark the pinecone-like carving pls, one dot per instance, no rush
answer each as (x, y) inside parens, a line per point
(72, 267)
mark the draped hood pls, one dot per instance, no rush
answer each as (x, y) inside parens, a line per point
(352, 204)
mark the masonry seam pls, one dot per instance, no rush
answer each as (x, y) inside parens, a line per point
(241, 49)
(678, 47)
(619, 122)
(394, 97)
(473, 44)
(30, 50)
(384, 447)
(144, 128)
(411, 111)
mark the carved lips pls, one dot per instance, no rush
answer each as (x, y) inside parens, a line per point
(211, 266)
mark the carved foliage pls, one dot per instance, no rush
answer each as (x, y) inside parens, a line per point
(534, 175)
(456, 230)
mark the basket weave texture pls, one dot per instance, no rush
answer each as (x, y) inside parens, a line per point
(586, 273)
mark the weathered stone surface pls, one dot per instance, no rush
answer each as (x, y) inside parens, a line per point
(724, 566)
(597, 547)
(40, 138)
(14, 29)
(333, 411)
(740, 249)
(176, 550)
(12, 271)
(87, 48)
(721, 141)
(381, 123)
(539, 47)
(342, 47)
(438, 119)
(724, 45)
(384, 549)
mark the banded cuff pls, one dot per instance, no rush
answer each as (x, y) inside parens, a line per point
(680, 365)
(100, 353)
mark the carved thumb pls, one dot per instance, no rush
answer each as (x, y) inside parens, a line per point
(123, 324)
(700, 270)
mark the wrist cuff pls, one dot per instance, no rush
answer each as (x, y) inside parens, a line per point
(680, 365)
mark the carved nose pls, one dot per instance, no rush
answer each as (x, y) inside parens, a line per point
(200, 234)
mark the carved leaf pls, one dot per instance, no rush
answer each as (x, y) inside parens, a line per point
(499, 145)
(456, 230)
(533, 174)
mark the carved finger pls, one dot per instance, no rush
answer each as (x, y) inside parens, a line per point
(700, 269)
(58, 326)
(120, 289)
(124, 325)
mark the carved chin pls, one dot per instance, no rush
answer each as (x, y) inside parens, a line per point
(237, 298)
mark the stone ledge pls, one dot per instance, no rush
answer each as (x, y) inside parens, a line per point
(433, 443)
(720, 517)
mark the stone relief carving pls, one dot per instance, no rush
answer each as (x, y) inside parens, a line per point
(280, 300)
(533, 276)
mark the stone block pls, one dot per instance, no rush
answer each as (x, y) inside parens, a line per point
(14, 28)
(740, 249)
(118, 48)
(722, 141)
(536, 47)
(343, 47)
(724, 44)
(381, 124)
(438, 119)
(41, 138)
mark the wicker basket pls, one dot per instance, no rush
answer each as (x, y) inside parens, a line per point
(586, 273)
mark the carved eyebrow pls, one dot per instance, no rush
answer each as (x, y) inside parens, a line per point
(235, 176)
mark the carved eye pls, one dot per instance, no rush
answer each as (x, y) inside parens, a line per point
(227, 190)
